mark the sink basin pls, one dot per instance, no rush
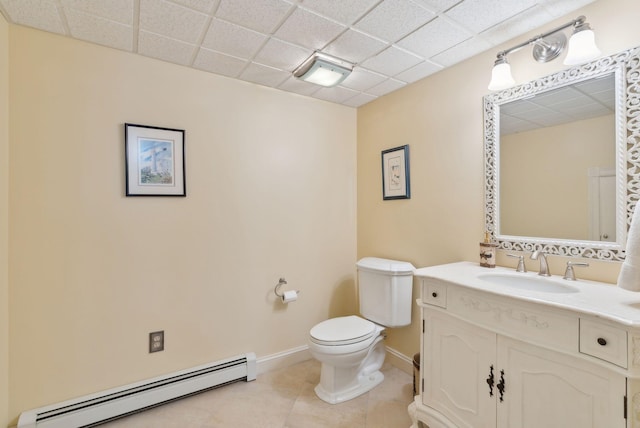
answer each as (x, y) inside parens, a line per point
(531, 283)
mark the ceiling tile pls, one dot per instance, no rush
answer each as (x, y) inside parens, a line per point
(437, 5)
(361, 79)
(418, 72)
(156, 46)
(171, 20)
(602, 84)
(218, 63)
(517, 126)
(205, 6)
(309, 30)
(393, 19)
(602, 90)
(391, 61)
(574, 104)
(559, 95)
(101, 31)
(522, 107)
(385, 87)
(435, 37)
(264, 75)
(336, 94)
(526, 21)
(299, 86)
(260, 15)
(359, 100)
(41, 14)
(478, 15)
(586, 111)
(461, 51)
(608, 99)
(559, 8)
(354, 46)
(114, 10)
(279, 54)
(233, 39)
(345, 12)
(553, 119)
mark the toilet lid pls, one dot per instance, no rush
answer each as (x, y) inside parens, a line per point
(343, 330)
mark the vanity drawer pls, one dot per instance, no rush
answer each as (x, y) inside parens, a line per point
(603, 341)
(434, 293)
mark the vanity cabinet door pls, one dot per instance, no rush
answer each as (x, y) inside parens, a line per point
(552, 390)
(458, 360)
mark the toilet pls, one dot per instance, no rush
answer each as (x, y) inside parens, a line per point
(351, 348)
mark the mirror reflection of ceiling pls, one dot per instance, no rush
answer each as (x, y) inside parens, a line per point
(391, 42)
(583, 100)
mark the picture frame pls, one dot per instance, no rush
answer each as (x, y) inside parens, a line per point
(395, 173)
(154, 161)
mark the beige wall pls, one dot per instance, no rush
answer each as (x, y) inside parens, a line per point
(271, 182)
(4, 222)
(550, 166)
(440, 118)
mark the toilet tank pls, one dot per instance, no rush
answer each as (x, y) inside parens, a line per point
(385, 288)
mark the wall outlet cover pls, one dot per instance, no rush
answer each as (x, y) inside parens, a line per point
(156, 341)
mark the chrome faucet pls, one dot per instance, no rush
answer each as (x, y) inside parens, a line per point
(521, 267)
(544, 266)
(569, 274)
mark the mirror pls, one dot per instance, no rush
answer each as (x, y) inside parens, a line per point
(552, 146)
(561, 160)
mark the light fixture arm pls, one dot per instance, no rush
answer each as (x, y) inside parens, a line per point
(538, 39)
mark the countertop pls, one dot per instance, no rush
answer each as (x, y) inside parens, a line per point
(599, 299)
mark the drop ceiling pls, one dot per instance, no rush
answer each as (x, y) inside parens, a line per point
(391, 42)
(580, 101)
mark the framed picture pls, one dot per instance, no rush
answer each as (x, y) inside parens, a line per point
(395, 173)
(154, 161)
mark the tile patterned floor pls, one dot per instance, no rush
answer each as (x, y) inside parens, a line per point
(283, 399)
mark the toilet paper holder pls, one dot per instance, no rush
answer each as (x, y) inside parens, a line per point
(277, 291)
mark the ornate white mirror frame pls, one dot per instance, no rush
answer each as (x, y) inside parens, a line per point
(626, 68)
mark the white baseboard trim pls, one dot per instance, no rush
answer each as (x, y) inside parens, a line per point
(299, 354)
(283, 359)
(400, 361)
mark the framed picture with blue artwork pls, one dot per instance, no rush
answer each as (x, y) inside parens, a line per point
(395, 173)
(154, 160)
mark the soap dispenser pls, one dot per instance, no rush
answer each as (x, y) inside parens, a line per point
(488, 252)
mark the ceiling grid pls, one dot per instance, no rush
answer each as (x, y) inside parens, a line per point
(391, 42)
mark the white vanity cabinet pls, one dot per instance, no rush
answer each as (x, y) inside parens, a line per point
(492, 356)
(466, 367)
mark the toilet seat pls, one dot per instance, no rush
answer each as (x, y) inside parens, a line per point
(342, 331)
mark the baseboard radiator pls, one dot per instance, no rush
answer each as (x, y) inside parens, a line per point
(97, 408)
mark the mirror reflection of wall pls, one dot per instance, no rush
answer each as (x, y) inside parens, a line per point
(544, 178)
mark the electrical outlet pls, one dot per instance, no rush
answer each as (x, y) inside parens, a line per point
(156, 341)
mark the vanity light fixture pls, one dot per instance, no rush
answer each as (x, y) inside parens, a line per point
(501, 77)
(582, 45)
(323, 70)
(546, 47)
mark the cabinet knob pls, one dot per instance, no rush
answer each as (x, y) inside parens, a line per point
(434, 294)
(602, 341)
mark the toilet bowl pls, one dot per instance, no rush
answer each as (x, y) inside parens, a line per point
(351, 351)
